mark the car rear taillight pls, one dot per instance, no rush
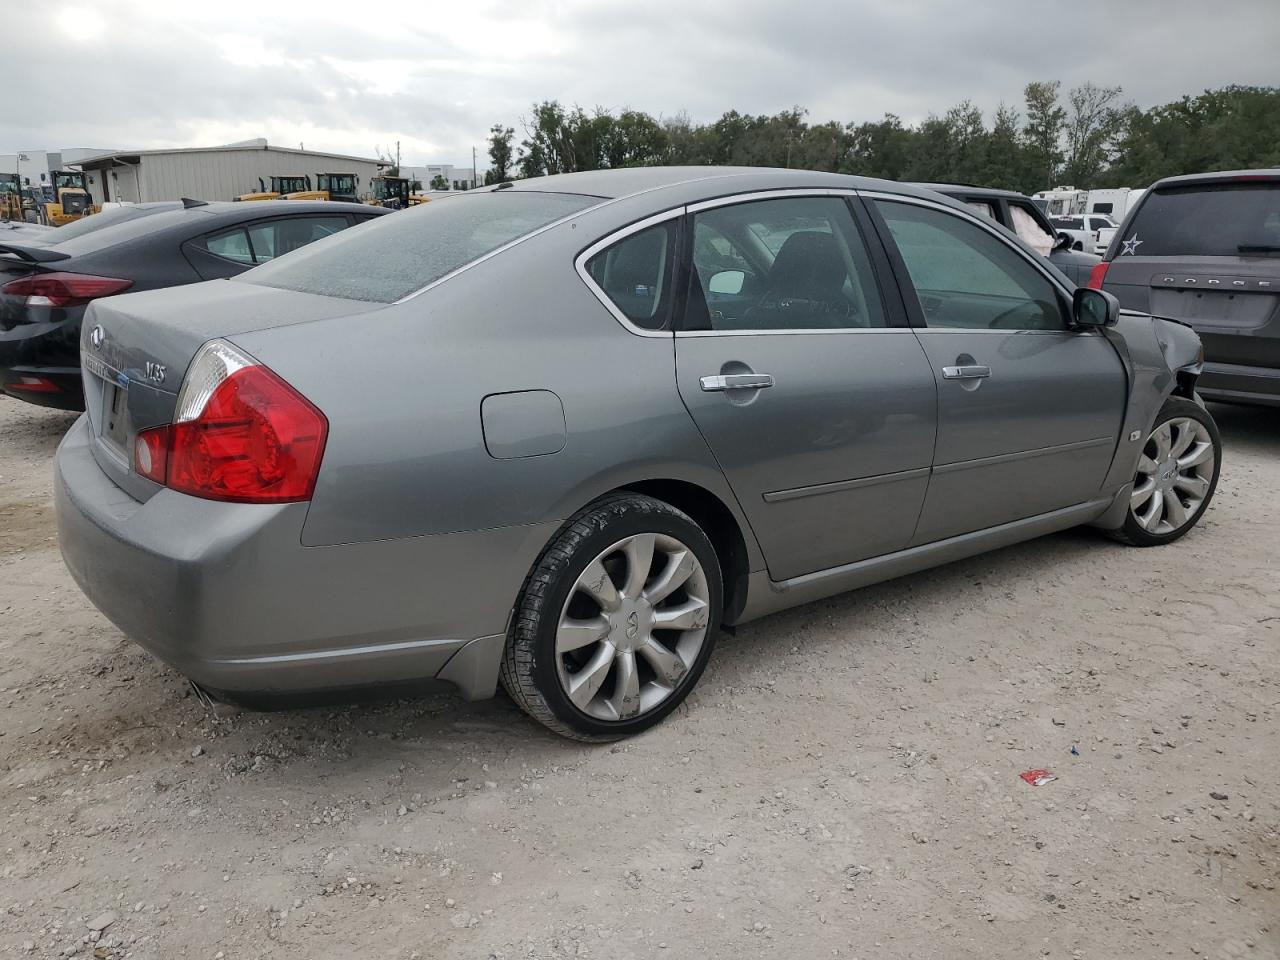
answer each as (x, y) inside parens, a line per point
(1097, 275)
(33, 385)
(240, 433)
(63, 289)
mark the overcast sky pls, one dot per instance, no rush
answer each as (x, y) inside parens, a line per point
(349, 76)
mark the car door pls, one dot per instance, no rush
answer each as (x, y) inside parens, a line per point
(802, 375)
(1029, 410)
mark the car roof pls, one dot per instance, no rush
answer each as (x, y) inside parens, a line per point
(714, 181)
(1219, 176)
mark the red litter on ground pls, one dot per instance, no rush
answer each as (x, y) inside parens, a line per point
(1038, 778)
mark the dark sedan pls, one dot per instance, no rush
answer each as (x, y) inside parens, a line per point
(47, 280)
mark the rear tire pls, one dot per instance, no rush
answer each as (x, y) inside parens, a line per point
(616, 621)
(1176, 478)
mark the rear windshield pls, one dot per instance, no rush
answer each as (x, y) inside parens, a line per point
(395, 255)
(107, 218)
(1219, 220)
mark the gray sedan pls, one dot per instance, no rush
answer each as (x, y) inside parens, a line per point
(558, 433)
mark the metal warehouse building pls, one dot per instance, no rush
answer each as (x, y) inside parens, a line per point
(211, 173)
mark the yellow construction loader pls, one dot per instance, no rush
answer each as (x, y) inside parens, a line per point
(280, 188)
(73, 200)
(394, 192)
(11, 197)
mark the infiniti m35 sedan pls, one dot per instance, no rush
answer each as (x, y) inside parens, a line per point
(556, 433)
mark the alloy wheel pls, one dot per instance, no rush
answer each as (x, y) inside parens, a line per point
(632, 626)
(1175, 473)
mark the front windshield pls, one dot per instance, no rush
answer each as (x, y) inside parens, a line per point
(68, 180)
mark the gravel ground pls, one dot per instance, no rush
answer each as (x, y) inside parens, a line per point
(843, 783)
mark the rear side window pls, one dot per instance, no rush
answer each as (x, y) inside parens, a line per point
(635, 274)
(398, 254)
(230, 245)
(1220, 220)
(276, 237)
(982, 207)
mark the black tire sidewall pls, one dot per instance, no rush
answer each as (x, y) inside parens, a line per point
(1173, 408)
(612, 528)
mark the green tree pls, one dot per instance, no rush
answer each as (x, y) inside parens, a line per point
(1005, 162)
(501, 153)
(1094, 123)
(438, 182)
(1042, 135)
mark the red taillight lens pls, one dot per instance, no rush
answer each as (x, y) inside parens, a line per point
(1097, 275)
(63, 289)
(257, 440)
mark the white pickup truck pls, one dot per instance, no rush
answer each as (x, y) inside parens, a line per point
(1090, 232)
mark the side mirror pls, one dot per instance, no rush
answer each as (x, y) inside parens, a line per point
(728, 282)
(1063, 242)
(1094, 308)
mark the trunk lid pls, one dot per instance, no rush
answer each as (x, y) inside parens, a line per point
(135, 350)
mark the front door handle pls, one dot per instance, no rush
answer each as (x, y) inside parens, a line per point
(971, 371)
(736, 381)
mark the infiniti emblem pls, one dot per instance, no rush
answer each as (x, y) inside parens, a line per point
(96, 337)
(633, 625)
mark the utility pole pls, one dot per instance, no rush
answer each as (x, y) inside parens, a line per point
(475, 182)
(397, 158)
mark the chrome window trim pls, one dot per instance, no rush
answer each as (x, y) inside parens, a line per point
(805, 331)
(617, 236)
(977, 220)
(778, 194)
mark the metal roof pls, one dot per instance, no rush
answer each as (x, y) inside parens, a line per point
(133, 156)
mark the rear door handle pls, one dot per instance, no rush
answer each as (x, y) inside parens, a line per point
(736, 381)
(968, 372)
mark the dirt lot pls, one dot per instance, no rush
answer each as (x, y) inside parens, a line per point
(844, 782)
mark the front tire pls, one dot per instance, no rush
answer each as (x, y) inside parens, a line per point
(1176, 477)
(616, 621)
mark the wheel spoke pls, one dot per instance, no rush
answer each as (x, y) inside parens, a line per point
(690, 615)
(626, 694)
(574, 634)
(1198, 487)
(1174, 510)
(1200, 453)
(639, 554)
(1146, 465)
(666, 664)
(1186, 436)
(595, 582)
(585, 684)
(1163, 440)
(678, 569)
(1142, 493)
(1151, 518)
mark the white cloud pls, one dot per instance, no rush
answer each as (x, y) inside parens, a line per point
(347, 77)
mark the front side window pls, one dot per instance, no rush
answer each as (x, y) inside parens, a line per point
(786, 264)
(967, 278)
(1030, 229)
(635, 274)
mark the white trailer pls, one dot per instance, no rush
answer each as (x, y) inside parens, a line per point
(1114, 203)
(1061, 201)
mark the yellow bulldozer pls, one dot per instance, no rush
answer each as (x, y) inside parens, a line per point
(72, 200)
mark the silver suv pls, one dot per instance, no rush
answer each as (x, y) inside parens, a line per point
(1205, 249)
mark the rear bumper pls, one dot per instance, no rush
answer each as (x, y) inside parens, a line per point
(227, 595)
(1234, 383)
(40, 363)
